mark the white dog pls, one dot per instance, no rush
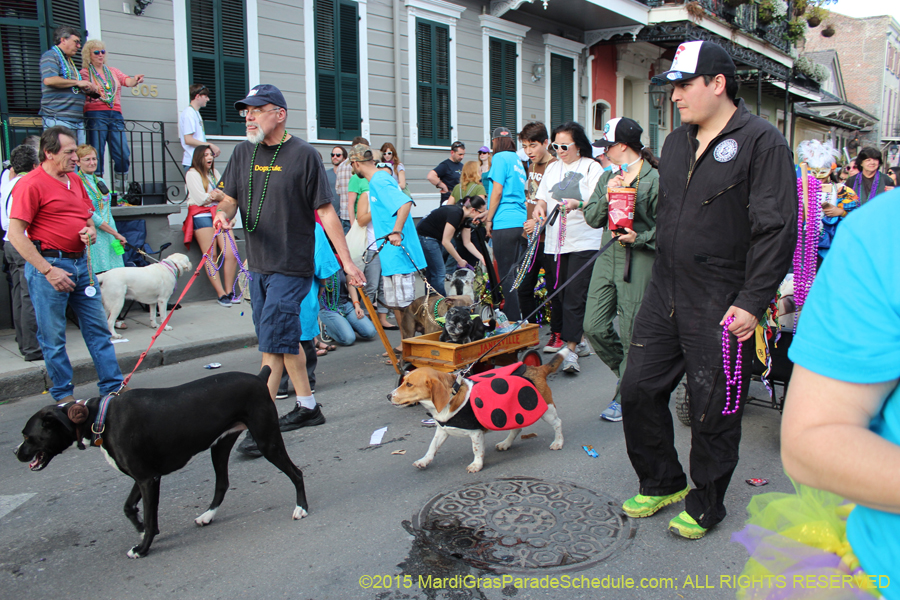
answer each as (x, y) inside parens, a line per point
(151, 285)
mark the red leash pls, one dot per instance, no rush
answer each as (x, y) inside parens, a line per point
(206, 256)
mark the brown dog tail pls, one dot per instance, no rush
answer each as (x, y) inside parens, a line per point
(555, 362)
(264, 374)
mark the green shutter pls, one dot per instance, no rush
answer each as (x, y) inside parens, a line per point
(433, 83)
(337, 69)
(502, 59)
(218, 60)
(561, 90)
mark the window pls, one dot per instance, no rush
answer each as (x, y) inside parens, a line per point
(433, 83)
(337, 69)
(217, 54)
(562, 91)
(26, 32)
(503, 85)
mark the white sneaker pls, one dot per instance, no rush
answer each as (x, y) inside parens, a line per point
(570, 364)
(582, 349)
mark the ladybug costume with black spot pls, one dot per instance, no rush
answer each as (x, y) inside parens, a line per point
(502, 399)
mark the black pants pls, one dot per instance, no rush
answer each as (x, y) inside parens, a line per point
(568, 306)
(527, 300)
(663, 349)
(312, 359)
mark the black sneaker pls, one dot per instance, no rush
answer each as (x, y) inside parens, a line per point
(248, 447)
(301, 417)
(281, 394)
(225, 301)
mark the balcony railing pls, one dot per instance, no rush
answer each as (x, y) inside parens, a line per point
(744, 17)
(145, 182)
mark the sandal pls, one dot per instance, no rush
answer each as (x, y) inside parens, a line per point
(326, 347)
(321, 352)
(121, 325)
(398, 352)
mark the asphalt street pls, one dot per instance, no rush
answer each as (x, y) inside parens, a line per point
(63, 533)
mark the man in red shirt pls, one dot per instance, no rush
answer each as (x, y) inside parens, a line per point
(52, 204)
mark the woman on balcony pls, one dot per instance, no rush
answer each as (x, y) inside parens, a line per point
(103, 118)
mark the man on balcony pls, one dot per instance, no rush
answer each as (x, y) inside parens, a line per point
(725, 233)
(62, 87)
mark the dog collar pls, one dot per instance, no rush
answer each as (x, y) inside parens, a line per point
(172, 270)
(99, 425)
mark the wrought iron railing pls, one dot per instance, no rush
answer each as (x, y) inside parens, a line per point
(144, 183)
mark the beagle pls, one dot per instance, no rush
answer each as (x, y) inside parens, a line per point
(523, 396)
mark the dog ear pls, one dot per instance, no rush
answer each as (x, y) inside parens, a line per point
(440, 393)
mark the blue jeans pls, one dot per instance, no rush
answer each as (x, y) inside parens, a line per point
(342, 325)
(50, 311)
(76, 126)
(108, 127)
(435, 270)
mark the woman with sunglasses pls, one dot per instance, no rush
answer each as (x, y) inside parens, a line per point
(569, 242)
(484, 165)
(103, 118)
(389, 154)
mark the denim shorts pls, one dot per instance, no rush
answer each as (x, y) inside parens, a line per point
(202, 221)
(276, 311)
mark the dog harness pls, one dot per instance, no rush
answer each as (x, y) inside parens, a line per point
(503, 399)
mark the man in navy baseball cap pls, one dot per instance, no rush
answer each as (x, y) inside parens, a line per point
(261, 95)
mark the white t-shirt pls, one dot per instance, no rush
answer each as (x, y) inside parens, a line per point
(190, 123)
(6, 188)
(562, 181)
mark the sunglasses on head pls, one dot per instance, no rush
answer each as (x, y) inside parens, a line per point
(563, 147)
(99, 52)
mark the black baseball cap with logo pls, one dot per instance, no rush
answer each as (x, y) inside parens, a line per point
(693, 59)
(621, 130)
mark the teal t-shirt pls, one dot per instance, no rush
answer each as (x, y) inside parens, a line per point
(326, 266)
(385, 200)
(507, 170)
(859, 342)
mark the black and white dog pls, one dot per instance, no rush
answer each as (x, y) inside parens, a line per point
(460, 327)
(153, 432)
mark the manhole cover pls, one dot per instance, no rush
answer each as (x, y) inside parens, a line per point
(523, 524)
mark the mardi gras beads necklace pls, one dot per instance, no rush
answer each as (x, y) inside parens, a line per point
(732, 372)
(68, 68)
(806, 250)
(262, 198)
(108, 85)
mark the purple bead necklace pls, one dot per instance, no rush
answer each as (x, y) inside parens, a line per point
(808, 218)
(732, 372)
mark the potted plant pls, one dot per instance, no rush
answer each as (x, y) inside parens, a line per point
(815, 15)
(770, 11)
(828, 31)
(795, 31)
(695, 10)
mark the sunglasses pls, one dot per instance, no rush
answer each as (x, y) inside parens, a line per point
(483, 152)
(338, 155)
(388, 152)
(99, 52)
(562, 147)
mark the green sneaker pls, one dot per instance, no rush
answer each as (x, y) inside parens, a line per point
(643, 506)
(685, 526)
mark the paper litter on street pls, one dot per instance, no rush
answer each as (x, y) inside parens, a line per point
(377, 436)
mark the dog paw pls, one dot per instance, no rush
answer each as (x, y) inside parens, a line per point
(154, 324)
(133, 553)
(556, 446)
(206, 518)
(299, 513)
(421, 463)
(502, 446)
(168, 327)
(474, 467)
(116, 336)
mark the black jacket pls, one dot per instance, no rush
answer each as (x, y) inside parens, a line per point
(726, 223)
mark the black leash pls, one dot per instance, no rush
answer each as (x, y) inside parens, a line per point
(384, 239)
(458, 383)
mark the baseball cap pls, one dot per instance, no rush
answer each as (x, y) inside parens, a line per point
(693, 59)
(621, 130)
(261, 95)
(500, 132)
(361, 153)
(484, 149)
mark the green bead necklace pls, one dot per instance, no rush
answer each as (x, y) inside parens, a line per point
(251, 228)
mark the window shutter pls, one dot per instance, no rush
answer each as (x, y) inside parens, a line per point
(502, 59)
(337, 69)
(561, 89)
(433, 83)
(218, 59)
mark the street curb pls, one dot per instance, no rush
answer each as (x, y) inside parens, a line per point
(28, 382)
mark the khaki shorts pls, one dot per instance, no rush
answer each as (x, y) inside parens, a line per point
(399, 290)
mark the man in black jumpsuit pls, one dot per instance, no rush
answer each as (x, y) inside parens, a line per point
(726, 230)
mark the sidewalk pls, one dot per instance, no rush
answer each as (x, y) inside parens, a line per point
(199, 329)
